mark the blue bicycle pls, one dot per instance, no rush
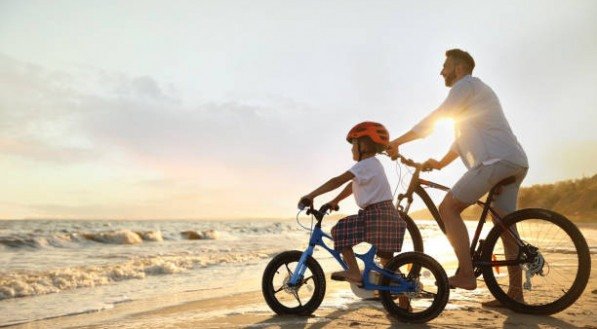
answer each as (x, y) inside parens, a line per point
(294, 282)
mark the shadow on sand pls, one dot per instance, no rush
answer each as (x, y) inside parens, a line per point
(340, 318)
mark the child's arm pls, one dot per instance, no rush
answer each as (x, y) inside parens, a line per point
(343, 195)
(330, 185)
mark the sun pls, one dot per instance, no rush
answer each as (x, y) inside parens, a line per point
(444, 124)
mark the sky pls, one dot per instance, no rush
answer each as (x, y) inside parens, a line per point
(235, 109)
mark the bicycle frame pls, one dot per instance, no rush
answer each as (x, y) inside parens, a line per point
(316, 239)
(417, 186)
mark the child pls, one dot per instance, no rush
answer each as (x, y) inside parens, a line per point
(378, 221)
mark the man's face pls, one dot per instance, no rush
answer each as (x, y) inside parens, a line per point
(449, 72)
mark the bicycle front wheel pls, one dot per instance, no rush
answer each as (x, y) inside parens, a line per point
(555, 262)
(302, 299)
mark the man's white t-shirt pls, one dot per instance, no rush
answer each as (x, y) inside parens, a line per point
(483, 135)
(370, 184)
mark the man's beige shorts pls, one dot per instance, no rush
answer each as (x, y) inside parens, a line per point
(479, 180)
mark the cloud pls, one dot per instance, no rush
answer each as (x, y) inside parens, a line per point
(84, 114)
(135, 149)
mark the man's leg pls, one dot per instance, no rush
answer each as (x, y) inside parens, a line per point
(504, 204)
(450, 210)
(511, 251)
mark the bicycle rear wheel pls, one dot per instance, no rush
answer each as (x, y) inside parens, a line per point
(431, 293)
(552, 277)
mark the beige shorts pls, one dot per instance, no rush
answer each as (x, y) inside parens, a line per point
(479, 180)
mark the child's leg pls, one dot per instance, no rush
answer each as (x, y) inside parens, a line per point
(384, 259)
(353, 273)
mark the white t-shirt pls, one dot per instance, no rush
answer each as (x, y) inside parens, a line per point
(483, 135)
(370, 184)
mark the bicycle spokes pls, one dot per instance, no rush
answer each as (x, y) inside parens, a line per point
(420, 290)
(548, 263)
(292, 296)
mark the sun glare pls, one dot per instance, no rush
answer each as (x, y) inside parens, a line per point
(444, 124)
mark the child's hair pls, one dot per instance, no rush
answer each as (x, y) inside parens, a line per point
(371, 146)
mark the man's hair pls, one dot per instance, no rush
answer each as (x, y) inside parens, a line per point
(462, 57)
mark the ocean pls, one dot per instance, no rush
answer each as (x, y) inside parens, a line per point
(54, 268)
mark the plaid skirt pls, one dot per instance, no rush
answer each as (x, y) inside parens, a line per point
(379, 224)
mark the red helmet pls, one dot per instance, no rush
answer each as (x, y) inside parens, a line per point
(376, 131)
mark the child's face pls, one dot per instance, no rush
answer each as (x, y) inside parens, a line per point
(355, 150)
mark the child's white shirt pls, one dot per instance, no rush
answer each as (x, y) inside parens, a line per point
(370, 184)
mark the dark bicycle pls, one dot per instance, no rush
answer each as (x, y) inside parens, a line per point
(552, 263)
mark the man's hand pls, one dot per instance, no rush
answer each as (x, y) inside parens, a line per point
(432, 164)
(393, 150)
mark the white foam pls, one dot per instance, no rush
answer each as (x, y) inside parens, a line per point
(22, 284)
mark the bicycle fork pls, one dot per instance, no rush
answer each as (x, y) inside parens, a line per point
(315, 240)
(301, 267)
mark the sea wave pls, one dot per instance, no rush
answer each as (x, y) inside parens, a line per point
(32, 241)
(22, 283)
(123, 236)
(80, 237)
(65, 240)
(201, 235)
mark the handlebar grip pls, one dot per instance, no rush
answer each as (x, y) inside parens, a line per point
(324, 209)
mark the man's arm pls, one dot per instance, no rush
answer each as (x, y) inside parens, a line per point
(451, 107)
(446, 160)
(393, 146)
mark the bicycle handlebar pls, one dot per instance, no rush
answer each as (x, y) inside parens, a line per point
(412, 163)
(319, 214)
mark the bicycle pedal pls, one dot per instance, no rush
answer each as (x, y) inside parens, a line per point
(338, 277)
(360, 292)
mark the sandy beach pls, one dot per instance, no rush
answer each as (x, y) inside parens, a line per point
(340, 309)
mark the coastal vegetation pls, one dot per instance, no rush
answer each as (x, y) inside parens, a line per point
(575, 199)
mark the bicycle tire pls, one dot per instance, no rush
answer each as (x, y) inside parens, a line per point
(521, 219)
(413, 231)
(270, 292)
(415, 263)
(431, 207)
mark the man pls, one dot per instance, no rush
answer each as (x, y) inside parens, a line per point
(490, 151)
